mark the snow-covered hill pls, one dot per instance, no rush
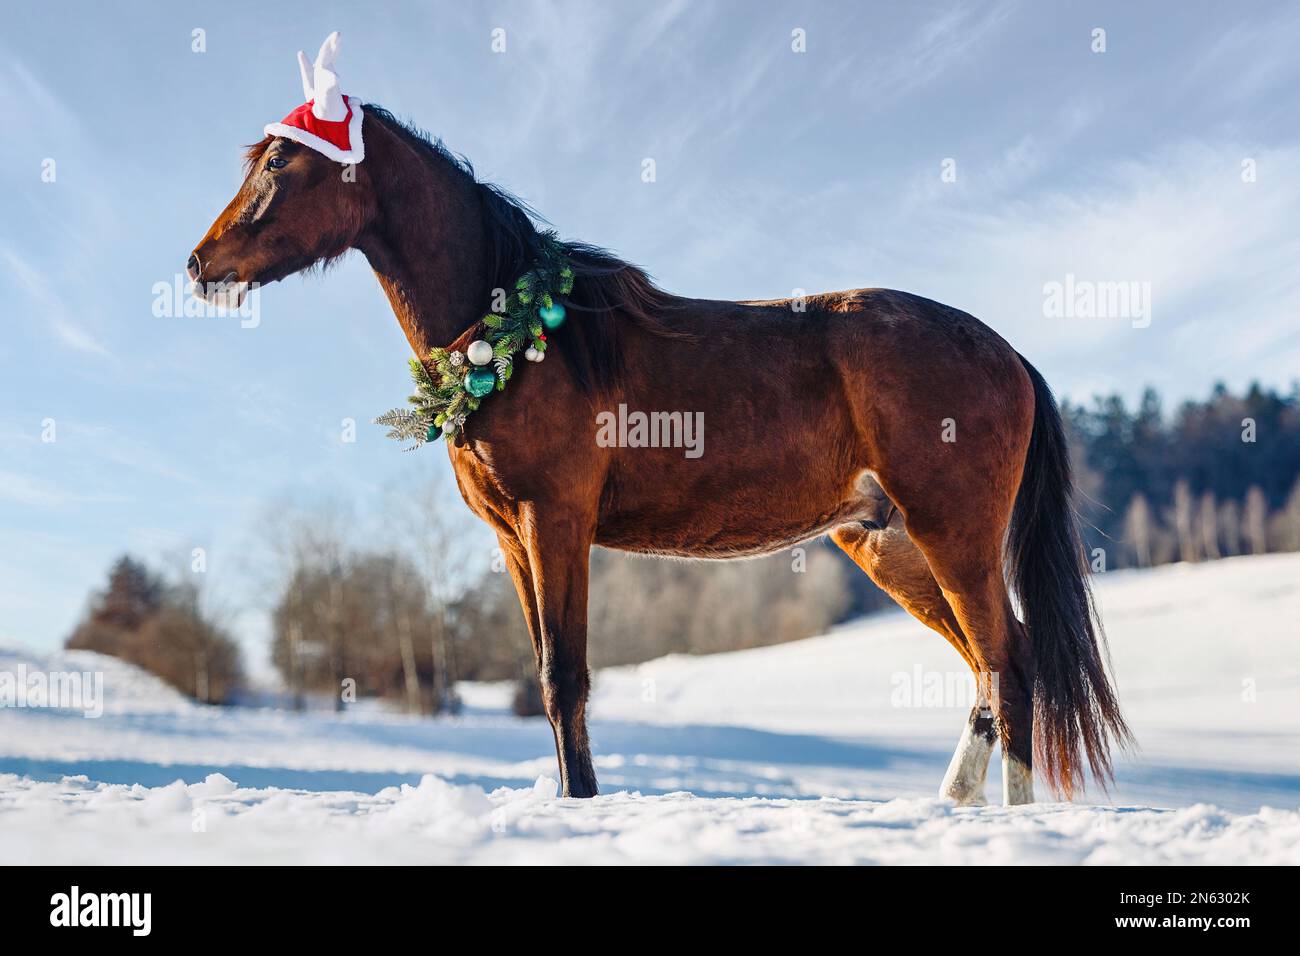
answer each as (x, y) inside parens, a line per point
(829, 750)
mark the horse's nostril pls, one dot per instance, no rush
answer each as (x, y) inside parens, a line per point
(192, 266)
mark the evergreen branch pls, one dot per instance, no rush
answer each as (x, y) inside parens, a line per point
(441, 400)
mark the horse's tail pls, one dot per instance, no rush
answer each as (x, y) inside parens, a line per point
(1075, 707)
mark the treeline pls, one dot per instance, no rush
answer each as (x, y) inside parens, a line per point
(160, 626)
(641, 608)
(364, 618)
(369, 623)
(1215, 478)
(401, 622)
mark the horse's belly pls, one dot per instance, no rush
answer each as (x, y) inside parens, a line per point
(727, 514)
(692, 541)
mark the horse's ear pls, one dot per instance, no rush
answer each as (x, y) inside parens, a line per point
(327, 94)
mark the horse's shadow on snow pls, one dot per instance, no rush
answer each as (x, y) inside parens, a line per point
(706, 760)
(653, 759)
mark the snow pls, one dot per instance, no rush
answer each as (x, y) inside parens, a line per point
(215, 821)
(794, 753)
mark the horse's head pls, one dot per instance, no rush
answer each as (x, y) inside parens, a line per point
(293, 209)
(305, 195)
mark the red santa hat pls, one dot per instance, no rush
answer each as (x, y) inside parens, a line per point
(328, 122)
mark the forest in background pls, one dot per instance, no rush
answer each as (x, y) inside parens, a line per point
(351, 619)
(1215, 478)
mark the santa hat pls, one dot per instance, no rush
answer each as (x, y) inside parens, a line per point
(328, 122)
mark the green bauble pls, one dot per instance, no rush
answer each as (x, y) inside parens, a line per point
(480, 381)
(434, 433)
(552, 315)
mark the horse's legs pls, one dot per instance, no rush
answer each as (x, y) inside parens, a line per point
(553, 590)
(894, 562)
(969, 767)
(517, 564)
(969, 572)
(1018, 759)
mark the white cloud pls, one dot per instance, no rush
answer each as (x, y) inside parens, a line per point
(1219, 255)
(78, 338)
(899, 65)
(50, 309)
(27, 491)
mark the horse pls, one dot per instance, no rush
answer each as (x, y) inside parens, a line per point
(910, 432)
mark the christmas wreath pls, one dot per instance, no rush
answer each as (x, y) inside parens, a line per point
(450, 385)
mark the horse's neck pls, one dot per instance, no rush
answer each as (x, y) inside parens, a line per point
(428, 246)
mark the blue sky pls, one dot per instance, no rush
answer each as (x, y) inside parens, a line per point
(775, 171)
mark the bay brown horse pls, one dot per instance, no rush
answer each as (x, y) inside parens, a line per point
(910, 432)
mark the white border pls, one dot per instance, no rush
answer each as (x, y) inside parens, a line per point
(327, 149)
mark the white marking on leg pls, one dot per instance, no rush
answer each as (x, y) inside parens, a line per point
(964, 781)
(1017, 781)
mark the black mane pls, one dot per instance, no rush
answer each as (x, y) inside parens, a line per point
(604, 286)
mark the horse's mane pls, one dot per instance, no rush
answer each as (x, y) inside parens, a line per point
(606, 289)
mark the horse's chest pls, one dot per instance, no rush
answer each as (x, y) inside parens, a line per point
(493, 485)
(483, 489)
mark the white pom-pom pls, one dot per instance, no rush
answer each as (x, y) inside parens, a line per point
(531, 354)
(479, 352)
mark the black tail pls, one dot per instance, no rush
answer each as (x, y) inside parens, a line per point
(1075, 707)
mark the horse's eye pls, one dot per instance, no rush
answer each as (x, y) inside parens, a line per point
(277, 162)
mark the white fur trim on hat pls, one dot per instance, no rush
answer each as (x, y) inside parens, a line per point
(327, 149)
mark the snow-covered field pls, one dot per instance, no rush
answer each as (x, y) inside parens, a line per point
(825, 751)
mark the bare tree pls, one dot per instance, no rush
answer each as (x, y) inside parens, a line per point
(1182, 521)
(1230, 527)
(161, 626)
(1137, 530)
(299, 540)
(411, 678)
(1286, 523)
(405, 598)
(1255, 520)
(430, 521)
(1208, 523)
(376, 601)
